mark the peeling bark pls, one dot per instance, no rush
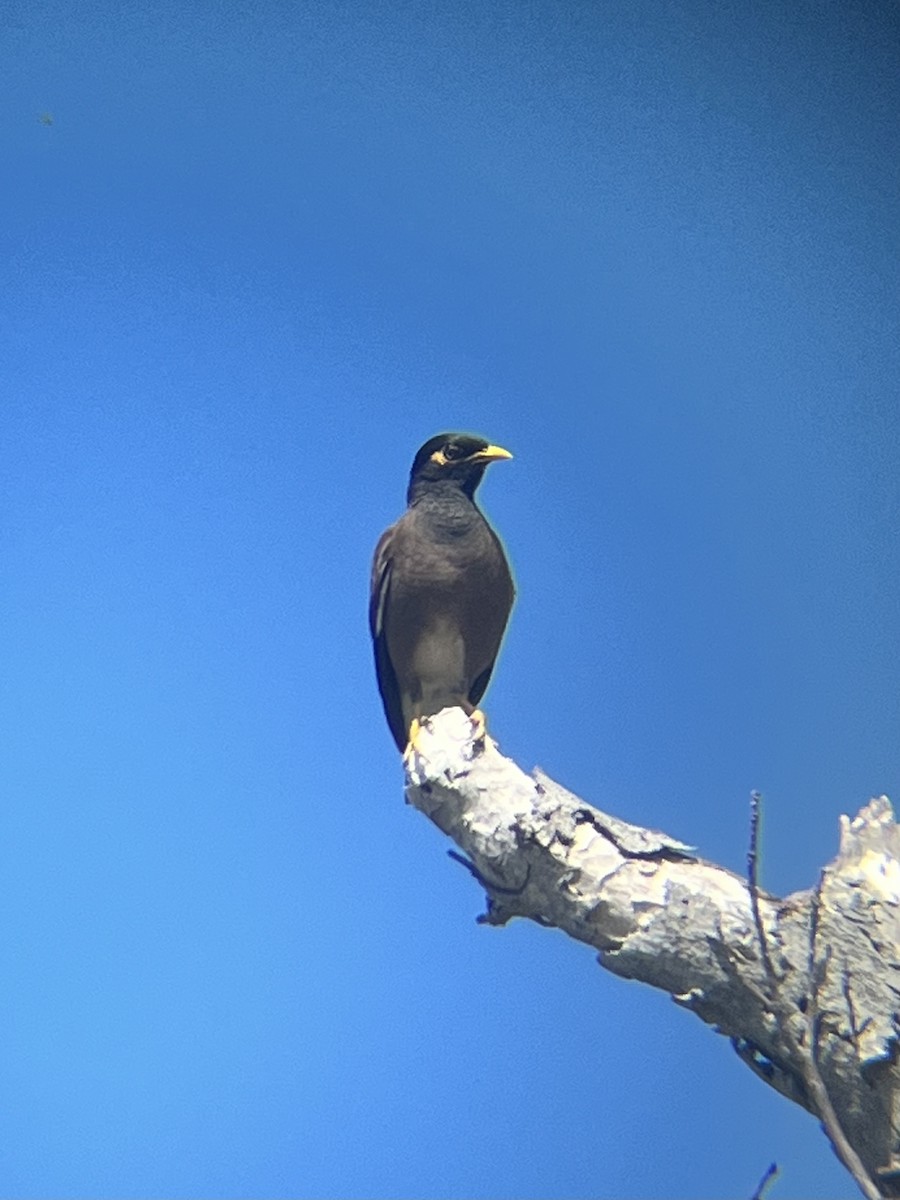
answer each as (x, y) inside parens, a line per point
(808, 992)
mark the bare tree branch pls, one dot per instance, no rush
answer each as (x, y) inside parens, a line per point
(657, 913)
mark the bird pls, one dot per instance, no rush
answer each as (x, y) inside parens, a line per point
(441, 591)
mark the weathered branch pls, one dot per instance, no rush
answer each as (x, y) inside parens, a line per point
(657, 913)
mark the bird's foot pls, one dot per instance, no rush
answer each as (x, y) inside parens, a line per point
(479, 725)
(411, 750)
(417, 726)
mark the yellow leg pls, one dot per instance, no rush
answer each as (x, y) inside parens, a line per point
(414, 729)
(479, 725)
(479, 732)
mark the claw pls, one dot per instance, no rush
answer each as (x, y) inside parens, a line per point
(479, 725)
(479, 733)
(415, 728)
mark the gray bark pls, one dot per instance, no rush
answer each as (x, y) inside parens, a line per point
(806, 987)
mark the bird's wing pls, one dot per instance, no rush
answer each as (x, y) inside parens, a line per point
(480, 682)
(382, 566)
(381, 578)
(479, 685)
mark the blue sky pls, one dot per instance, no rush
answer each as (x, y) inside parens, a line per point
(261, 254)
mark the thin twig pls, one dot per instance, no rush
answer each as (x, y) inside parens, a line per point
(808, 1063)
(769, 1177)
(814, 915)
(805, 1058)
(753, 881)
(484, 881)
(851, 1010)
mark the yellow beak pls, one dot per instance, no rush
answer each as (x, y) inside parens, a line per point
(491, 454)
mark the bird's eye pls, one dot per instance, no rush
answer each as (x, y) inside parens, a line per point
(452, 451)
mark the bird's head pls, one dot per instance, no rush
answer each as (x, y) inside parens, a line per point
(457, 459)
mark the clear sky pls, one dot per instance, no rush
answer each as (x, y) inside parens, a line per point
(261, 253)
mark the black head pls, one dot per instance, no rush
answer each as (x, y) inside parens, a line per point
(455, 458)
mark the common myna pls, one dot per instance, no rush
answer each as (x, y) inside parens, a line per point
(441, 590)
